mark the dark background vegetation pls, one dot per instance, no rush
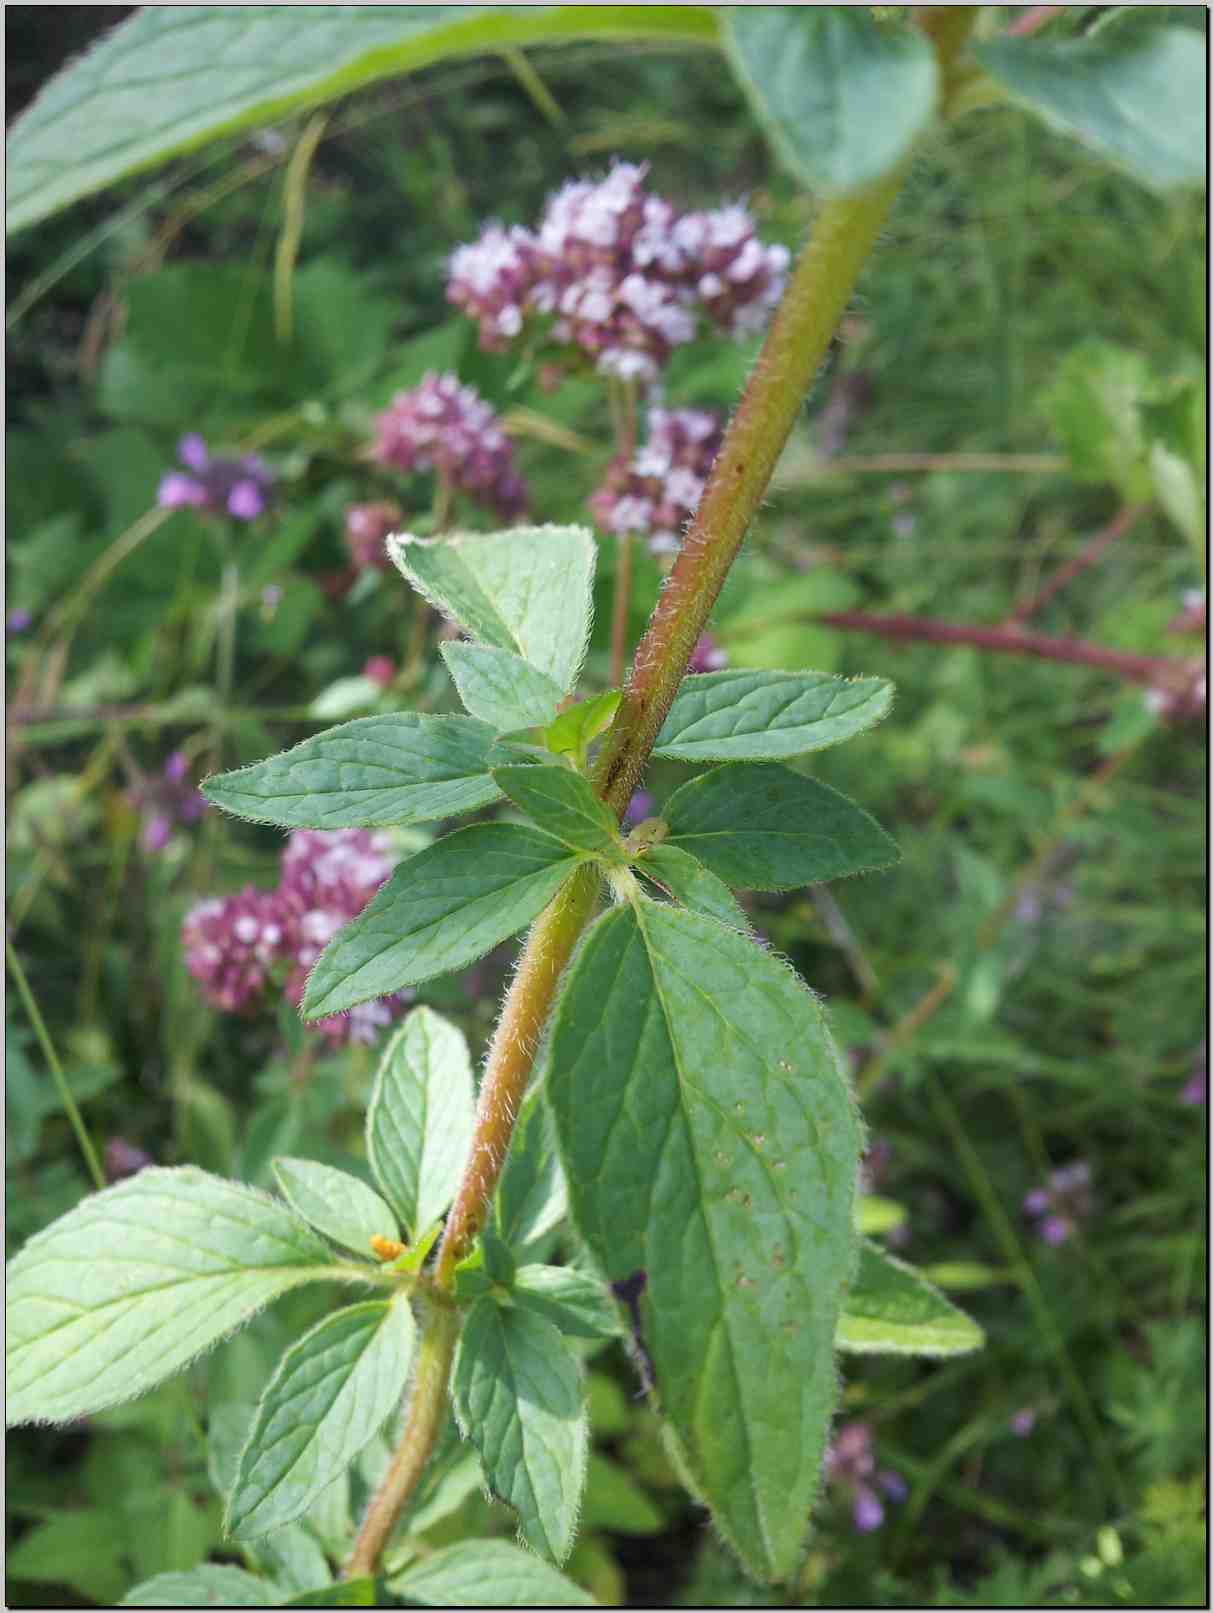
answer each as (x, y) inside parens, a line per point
(1052, 835)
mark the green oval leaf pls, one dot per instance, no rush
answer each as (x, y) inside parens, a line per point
(531, 1197)
(840, 96)
(710, 1145)
(691, 885)
(736, 716)
(487, 1573)
(328, 1397)
(518, 1401)
(767, 828)
(208, 1585)
(440, 910)
(526, 590)
(891, 1309)
(500, 688)
(136, 1281)
(563, 803)
(335, 1203)
(1133, 92)
(366, 774)
(421, 1116)
(171, 79)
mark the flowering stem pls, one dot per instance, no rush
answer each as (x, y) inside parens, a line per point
(621, 607)
(804, 324)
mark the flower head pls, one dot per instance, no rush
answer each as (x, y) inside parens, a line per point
(657, 491)
(850, 1465)
(444, 427)
(1063, 1201)
(236, 945)
(236, 487)
(166, 800)
(17, 620)
(621, 273)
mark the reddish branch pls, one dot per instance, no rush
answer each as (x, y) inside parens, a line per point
(1154, 671)
(1091, 551)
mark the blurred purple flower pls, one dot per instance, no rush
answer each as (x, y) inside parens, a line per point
(624, 276)
(366, 527)
(380, 669)
(444, 427)
(17, 620)
(1195, 1090)
(707, 656)
(850, 1465)
(1022, 1422)
(231, 944)
(641, 806)
(657, 491)
(123, 1159)
(1061, 1203)
(236, 487)
(166, 800)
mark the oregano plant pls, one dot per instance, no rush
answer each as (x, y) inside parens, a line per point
(663, 1145)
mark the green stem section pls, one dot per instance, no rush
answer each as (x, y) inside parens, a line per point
(52, 1058)
(511, 1056)
(427, 1407)
(796, 344)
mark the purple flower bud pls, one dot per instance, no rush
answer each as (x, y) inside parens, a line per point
(867, 1512)
(641, 806)
(176, 767)
(17, 620)
(1195, 1090)
(245, 501)
(1022, 1422)
(657, 491)
(1037, 1201)
(191, 451)
(1056, 1229)
(893, 1485)
(157, 832)
(707, 656)
(178, 491)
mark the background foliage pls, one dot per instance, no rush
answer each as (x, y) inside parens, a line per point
(1051, 829)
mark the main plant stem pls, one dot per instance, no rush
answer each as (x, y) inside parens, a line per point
(817, 294)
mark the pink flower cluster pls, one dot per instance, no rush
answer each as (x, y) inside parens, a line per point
(442, 426)
(850, 1464)
(1064, 1200)
(624, 275)
(658, 489)
(235, 945)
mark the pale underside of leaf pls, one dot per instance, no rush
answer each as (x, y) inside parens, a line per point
(516, 1395)
(328, 1397)
(526, 590)
(132, 1284)
(488, 1573)
(170, 79)
(420, 1120)
(891, 1309)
